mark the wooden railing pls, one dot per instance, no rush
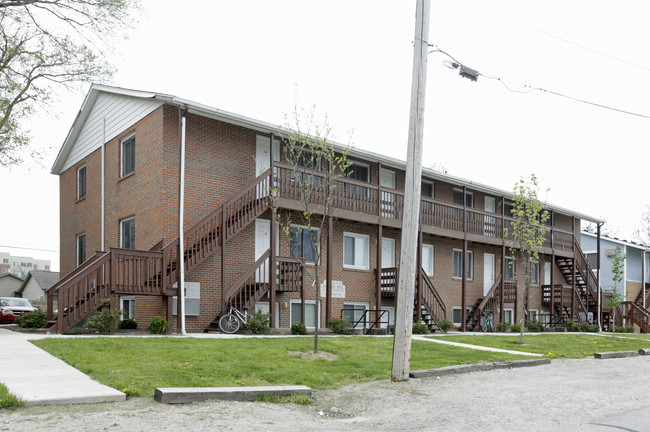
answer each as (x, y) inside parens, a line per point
(290, 274)
(252, 285)
(637, 314)
(389, 277)
(431, 299)
(588, 277)
(136, 272)
(491, 300)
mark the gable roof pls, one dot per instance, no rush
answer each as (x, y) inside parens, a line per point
(206, 111)
(45, 279)
(11, 275)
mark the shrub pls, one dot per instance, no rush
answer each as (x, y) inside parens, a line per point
(391, 329)
(157, 325)
(105, 321)
(445, 325)
(535, 326)
(503, 327)
(340, 326)
(127, 324)
(572, 326)
(258, 322)
(36, 319)
(298, 329)
(586, 327)
(516, 328)
(621, 329)
(420, 328)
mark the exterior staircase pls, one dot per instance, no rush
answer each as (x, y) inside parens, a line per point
(154, 272)
(491, 302)
(433, 309)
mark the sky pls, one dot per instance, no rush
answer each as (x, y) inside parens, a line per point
(353, 61)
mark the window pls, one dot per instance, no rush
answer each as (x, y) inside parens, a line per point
(81, 248)
(354, 312)
(29, 265)
(127, 305)
(592, 260)
(509, 315)
(534, 273)
(533, 315)
(310, 313)
(47, 267)
(127, 233)
(510, 268)
(5, 260)
(5, 271)
(301, 246)
(192, 299)
(458, 197)
(456, 316)
(426, 191)
(35, 267)
(22, 264)
(128, 155)
(360, 173)
(458, 264)
(427, 259)
(81, 182)
(356, 253)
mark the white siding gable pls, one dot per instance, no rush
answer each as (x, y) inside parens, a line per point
(119, 111)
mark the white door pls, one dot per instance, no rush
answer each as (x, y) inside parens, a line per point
(489, 226)
(387, 180)
(547, 273)
(388, 318)
(263, 160)
(262, 244)
(387, 252)
(488, 272)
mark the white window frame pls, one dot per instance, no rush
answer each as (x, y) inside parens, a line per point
(534, 274)
(470, 264)
(468, 199)
(365, 305)
(304, 228)
(357, 237)
(307, 302)
(513, 267)
(85, 247)
(390, 316)
(468, 310)
(81, 189)
(429, 268)
(264, 307)
(512, 315)
(536, 312)
(122, 222)
(131, 300)
(123, 141)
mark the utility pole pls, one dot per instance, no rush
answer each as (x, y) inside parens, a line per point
(411, 214)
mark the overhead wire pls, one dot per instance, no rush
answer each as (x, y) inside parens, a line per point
(529, 88)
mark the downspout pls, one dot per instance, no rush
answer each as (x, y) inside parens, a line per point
(643, 276)
(103, 205)
(181, 227)
(600, 290)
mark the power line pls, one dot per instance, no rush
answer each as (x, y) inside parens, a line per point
(618, 59)
(28, 248)
(527, 88)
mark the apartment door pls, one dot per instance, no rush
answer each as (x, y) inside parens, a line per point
(262, 244)
(488, 272)
(489, 225)
(547, 273)
(387, 252)
(387, 180)
(263, 160)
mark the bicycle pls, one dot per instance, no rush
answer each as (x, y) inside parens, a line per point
(233, 320)
(487, 322)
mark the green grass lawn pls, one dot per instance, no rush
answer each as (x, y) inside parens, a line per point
(7, 400)
(558, 345)
(137, 366)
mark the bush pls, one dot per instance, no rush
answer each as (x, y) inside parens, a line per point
(105, 321)
(572, 326)
(535, 326)
(340, 326)
(420, 328)
(621, 329)
(128, 324)
(445, 325)
(516, 328)
(258, 322)
(503, 327)
(586, 327)
(36, 319)
(298, 329)
(157, 325)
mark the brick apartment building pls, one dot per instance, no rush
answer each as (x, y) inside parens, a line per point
(119, 170)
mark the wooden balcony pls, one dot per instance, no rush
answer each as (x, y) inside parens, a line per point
(370, 203)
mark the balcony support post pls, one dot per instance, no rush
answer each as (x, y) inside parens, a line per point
(463, 312)
(380, 234)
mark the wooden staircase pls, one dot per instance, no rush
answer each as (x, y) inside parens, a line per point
(154, 272)
(433, 309)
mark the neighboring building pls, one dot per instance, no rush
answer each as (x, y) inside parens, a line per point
(9, 285)
(21, 265)
(636, 275)
(35, 286)
(119, 193)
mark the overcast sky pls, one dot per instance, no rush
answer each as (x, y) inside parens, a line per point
(353, 61)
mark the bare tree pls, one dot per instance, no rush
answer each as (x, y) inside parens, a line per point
(642, 233)
(316, 168)
(48, 44)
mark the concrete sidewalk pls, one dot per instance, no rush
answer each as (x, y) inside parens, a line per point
(39, 378)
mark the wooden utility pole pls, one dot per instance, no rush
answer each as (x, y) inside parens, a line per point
(411, 215)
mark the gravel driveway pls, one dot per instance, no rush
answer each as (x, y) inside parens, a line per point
(575, 395)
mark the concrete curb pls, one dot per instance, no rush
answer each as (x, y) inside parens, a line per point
(178, 395)
(477, 367)
(644, 351)
(615, 354)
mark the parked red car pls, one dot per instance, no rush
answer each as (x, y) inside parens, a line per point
(13, 307)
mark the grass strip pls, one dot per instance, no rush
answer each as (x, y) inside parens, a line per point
(9, 401)
(555, 345)
(137, 366)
